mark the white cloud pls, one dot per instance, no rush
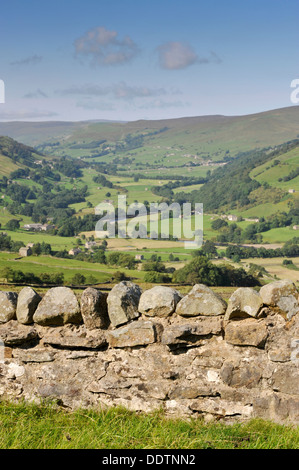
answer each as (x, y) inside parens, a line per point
(176, 55)
(179, 55)
(103, 47)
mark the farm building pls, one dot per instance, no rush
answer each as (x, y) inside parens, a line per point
(38, 227)
(25, 251)
(33, 227)
(74, 251)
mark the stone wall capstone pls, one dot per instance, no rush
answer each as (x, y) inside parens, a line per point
(191, 355)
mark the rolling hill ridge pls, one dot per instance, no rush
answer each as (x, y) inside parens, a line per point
(206, 137)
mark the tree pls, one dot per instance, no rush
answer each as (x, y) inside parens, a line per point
(155, 266)
(202, 271)
(209, 249)
(78, 279)
(155, 277)
(36, 249)
(218, 224)
(13, 225)
(119, 276)
(99, 257)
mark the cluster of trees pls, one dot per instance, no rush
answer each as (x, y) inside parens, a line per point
(124, 260)
(41, 249)
(166, 190)
(7, 244)
(19, 277)
(102, 180)
(201, 270)
(69, 167)
(19, 194)
(293, 174)
(130, 143)
(39, 175)
(72, 226)
(40, 205)
(18, 152)
(232, 233)
(290, 249)
(89, 145)
(158, 278)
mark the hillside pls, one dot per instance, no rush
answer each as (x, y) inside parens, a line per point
(251, 178)
(62, 193)
(84, 163)
(185, 140)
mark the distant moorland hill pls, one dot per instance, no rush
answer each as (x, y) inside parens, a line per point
(216, 137)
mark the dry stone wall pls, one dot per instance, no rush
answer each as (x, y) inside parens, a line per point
(191, 355)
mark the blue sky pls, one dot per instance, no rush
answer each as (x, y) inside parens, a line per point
(129, 60)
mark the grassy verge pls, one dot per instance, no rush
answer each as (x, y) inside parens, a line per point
(26, 426)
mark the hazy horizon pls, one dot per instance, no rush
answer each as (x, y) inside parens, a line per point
(45, 121)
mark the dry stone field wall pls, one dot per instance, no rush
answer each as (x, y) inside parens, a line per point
(192, 355)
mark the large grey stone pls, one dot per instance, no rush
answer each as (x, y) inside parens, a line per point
(244, 302)
(58, 307)
(246, 332)
(201, 300)
(282, 295)
(123, 302)
(188, 334)
(276, 407)
(28, 301)
(13, 333)
(240, 374)
(8, 306)
(139, 333)
(71, 337)
(223, 408)
(285, 379)
(160, 301)
(94, 308)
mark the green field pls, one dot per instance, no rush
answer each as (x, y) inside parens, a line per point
(57, 243)
(69, 267)
(271, 173)
(279, 235)
(163, 150)
(7, 165)
(49, 427)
